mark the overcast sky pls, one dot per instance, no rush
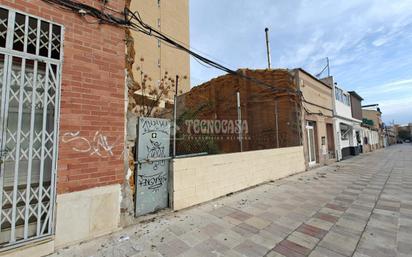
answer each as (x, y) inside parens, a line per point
(368, 42)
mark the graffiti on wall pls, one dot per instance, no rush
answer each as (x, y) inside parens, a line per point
(156, 151)
(153, 182)
(99, 145)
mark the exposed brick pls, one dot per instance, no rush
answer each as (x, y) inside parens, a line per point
(92, 90)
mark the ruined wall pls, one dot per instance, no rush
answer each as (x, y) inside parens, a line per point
(217, 100)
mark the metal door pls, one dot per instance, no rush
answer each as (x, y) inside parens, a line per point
(311, 143)
(152, 169)
(30, 68)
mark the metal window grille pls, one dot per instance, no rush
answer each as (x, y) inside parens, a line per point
(30, 72)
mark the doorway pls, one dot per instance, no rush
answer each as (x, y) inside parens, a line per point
(310, 129)
(331, 141)
(152, 165)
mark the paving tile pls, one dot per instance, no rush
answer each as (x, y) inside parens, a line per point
(404, 247)
(351, 224)
(339, 243)
(173, 248)
(303, 239)
(195, 237)
(326, 217)
(270, 216)
(212, 229)
(245, 230)
(324, 252)
(377, 251)
(336, 207)
(211, 247)
(274, 254)
(312, 231)
(222, 211)
(251, 249)
(295, 247)
(240, 215)
(286, 251)
(231, 220)
(278, 230)
(266, 239)
(329, 211)
(229, 238)
(258, 222)
(322, 224)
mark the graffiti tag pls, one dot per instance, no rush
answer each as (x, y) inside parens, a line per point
(98, 146)
(155, 151)
(153, 182)
(156, 125)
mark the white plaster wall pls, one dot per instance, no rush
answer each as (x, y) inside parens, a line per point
(87, 214)
(343, 110)
(200, 179)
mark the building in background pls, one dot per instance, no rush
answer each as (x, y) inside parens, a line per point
(356, 108)
(372, 117)
(347, 127)
(62, 124)
(403, 132)
(318, 128)
(390, 135)
(295, 109)
(156, 64)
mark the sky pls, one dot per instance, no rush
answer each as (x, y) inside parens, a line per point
(368, 43)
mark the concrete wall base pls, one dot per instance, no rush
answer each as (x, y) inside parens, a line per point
(37, 249)
(87, 214)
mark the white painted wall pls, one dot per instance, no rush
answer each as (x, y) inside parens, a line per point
(200, 179)
(343, 110)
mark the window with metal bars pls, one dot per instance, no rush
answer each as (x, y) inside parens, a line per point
(30, 74)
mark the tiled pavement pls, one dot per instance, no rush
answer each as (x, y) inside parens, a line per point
(361, 207)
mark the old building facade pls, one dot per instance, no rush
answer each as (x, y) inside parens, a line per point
(318, 128)
(156, 62)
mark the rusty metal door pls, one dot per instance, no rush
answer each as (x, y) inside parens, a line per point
(152, 165)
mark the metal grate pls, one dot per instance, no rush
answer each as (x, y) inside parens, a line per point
(30, 71)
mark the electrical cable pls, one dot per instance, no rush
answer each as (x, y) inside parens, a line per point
(133, 21)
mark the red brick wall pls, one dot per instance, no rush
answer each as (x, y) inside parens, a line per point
(216, 100)
(92, 99)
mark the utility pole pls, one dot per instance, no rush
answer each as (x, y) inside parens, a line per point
(175, 116)
(268, 48)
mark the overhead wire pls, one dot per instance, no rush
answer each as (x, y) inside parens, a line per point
(133, 21)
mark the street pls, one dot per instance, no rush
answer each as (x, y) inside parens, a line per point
(358, 207)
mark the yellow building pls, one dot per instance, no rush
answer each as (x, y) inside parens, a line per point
(155, 62)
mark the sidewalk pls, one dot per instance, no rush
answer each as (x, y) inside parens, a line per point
(360, 207)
